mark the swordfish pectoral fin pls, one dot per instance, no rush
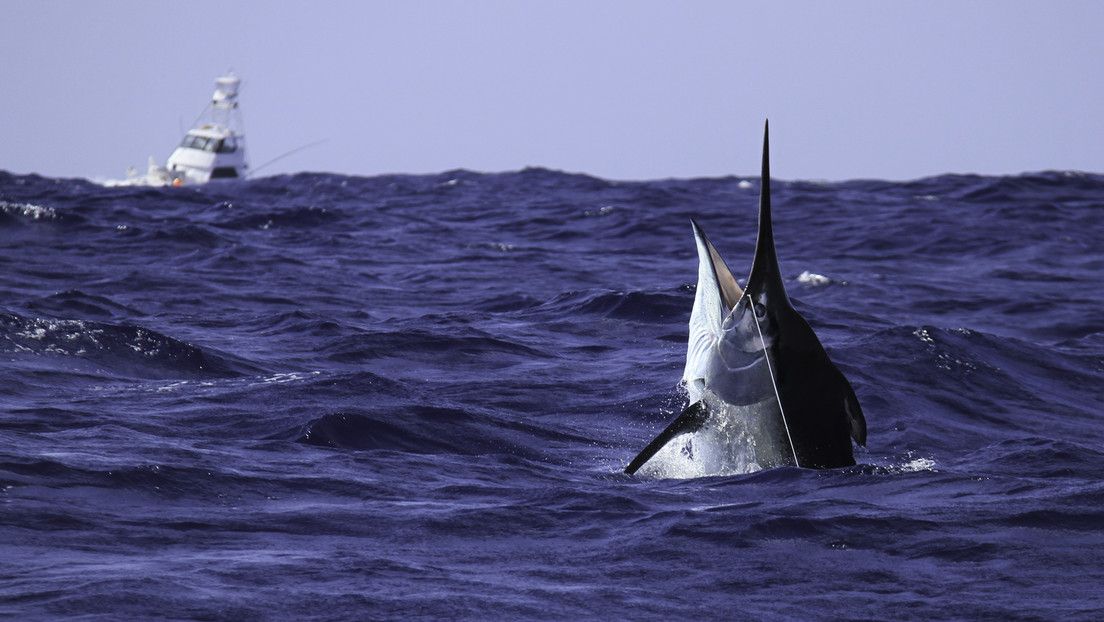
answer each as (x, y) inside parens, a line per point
(691, 420)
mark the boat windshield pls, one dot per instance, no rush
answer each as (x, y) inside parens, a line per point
(214, 145)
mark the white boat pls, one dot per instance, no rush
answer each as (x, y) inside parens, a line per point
(213, 149)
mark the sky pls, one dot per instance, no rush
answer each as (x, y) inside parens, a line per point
(619, 89)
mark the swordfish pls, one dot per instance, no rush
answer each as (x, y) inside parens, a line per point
(763, 392)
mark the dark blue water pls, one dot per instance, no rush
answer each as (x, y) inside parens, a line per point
(317, 397)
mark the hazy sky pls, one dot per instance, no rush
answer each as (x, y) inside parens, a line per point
(629, 89)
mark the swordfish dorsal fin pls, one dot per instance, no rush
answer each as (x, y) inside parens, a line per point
(765, 277)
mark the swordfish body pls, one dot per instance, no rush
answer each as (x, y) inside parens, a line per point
(762, 390)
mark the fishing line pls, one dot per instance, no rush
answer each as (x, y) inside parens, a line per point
(770, 370)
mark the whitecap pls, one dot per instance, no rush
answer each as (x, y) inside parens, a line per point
(601, 211)
(812, 279)
(918, 464)
(37, 212)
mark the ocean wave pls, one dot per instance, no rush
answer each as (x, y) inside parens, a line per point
(423, 429)
(113, 350)
(75, 304)
(469, 347)
(636, 306)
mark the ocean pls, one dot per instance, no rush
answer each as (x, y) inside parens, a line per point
(324, 397)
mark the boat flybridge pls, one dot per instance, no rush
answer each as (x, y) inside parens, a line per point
(213, 149)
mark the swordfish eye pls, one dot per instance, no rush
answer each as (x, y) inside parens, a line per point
(761, 305)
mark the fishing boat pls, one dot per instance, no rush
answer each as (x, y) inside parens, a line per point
(213, 149)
